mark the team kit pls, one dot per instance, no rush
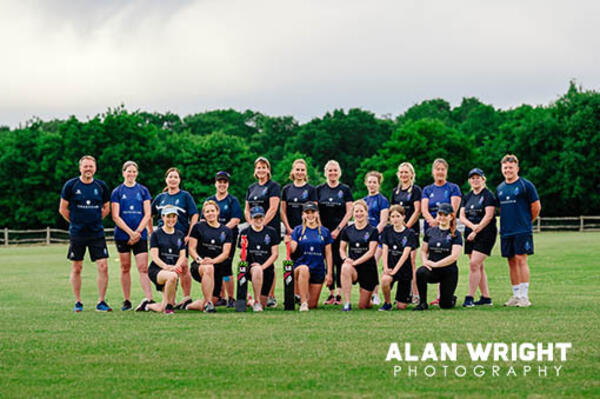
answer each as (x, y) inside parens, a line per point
(331, 239)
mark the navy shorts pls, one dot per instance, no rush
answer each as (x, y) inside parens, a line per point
(519, 244)
(218, 276)
(139, 247)
(368, 278)
(153, 271)
(96, 246)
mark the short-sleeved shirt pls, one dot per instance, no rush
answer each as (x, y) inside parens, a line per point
(439, 195)
(332, 204)
(210, 239)
(229, 208)
(131, 207)
(515, 206)
(259, 243)
(359, 240)
(407, 198)
(396, 242)
(295, 197)
(311, 247)
(169, 245)
(376, 203)
(183, 202)
(440, 243)
(85, 207)
(259, 195)
(474, 206)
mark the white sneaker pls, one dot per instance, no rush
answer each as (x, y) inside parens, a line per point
(375, 299)
(524, 302)
(513, 301)
(304, 307)
(257, 307)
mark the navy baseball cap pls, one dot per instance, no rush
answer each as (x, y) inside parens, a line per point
(476, 171)
(222, 175)
(445, 208)
(257, 211)
(168, 210)
(309, 206)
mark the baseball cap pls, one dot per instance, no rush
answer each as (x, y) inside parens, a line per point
(476, 171)
(309, 206)
(445, 208)
(257, 211)
(222, 175)
(168, 210)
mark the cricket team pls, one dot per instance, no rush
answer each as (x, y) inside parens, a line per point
(333, 239)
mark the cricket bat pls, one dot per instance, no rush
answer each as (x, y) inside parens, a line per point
(288, 281)
(242, 281)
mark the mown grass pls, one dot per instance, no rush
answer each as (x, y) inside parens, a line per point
(48, 351)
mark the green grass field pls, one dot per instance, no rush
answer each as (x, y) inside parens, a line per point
(48, 351)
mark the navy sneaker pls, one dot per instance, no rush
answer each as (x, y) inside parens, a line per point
(183, 304)
(126, 305)
(221, 302)
(483, 301)
(347, 307)
(142, 307)
(421, 306)
(468, 303)
(230, 303)
(78, 307)
(386, 307)
(103, 307)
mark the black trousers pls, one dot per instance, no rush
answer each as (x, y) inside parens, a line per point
(447, 277)
(337, 264)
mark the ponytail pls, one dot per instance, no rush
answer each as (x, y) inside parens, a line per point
(453, 225)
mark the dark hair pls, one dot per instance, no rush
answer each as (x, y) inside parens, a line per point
(173, 169)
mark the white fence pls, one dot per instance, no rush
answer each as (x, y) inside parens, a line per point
(50, 235)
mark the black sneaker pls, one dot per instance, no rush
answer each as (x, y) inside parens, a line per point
(221, 302)
(183, 304)
(230, 303)
(421, 306)
(142, 306)
(169, 309)
(126, 305)
(483, 301)
(296, 299)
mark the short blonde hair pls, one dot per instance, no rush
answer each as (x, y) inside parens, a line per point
(510, 158)
(266, 162)
(128, 164)
(362, 203)
(303, 162)
(87, 158)
(376, 174)
(209, 203)
(439, 161)
(332, 162)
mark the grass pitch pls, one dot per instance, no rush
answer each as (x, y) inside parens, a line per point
(48, 351)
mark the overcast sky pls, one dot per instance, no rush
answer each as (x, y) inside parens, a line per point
(300, 58)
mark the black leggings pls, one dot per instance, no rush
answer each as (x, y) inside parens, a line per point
(337, 264)
(448, 279)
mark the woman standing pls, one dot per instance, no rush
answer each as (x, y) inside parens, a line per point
(230, 214)
(265, 193)
(313, 242)
(440, 192)
(295, 195)
(187, 216)
(378, 214)
(130, 203)
(477, 214)
(263, 250)
(439, 252)
(168, 255)
(210, 244)
(398, 244)
(408, 195)
(335, 210)
(357, 250)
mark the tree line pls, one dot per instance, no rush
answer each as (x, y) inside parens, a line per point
(557, 144)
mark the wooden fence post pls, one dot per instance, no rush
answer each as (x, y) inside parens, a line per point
(6, 236)
(539, 224)
(48, 235)
(580, 223)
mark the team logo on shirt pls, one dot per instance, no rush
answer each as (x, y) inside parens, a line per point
(138, 197)
(527, 246)
(212, 241)
(258, 247)
(431, 195)
(95, 191)
(357, 244)
(222, 237)
(295, 199)
(267, 239)
(366, 236)
(304, 195)
(255, 197)
(88, 202)
(472, 206)
(480, 200)
(177, 201)
(78, 191)
(340, 194)
(264, 191)
(170, 250)
(408, 196)
(124, 196)
(396, 247)
(312, 249)
(131, 207)
(225, 207)
(403, 242)
(179, 242)
(438, 244)
(516, 191)
(448, 238)
(330, 199)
